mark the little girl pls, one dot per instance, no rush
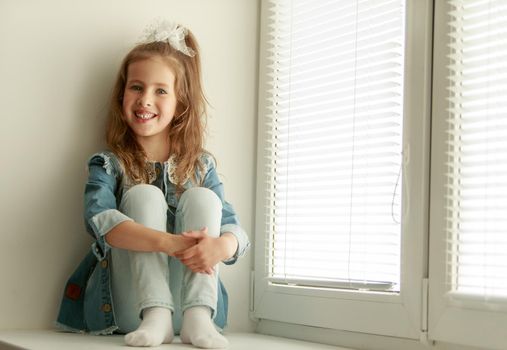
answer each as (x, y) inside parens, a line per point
(155, 207)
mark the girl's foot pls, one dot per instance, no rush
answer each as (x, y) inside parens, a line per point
(198, 329)
(155, 328)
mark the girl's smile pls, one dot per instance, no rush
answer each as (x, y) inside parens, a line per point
(144, 116)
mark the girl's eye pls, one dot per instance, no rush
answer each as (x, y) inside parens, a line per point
(162, 91)
(136, 88)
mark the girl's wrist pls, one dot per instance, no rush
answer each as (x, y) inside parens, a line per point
(167, 244)
(229, 245)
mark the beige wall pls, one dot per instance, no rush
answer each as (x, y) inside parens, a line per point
(57, 63)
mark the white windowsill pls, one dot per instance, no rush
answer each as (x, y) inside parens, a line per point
(53, 340)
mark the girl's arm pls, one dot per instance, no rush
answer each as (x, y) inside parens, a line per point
(109, 226)
(133, 236)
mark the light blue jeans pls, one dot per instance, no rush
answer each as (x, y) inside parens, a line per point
(141, 280)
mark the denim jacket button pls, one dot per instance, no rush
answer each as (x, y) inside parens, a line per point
(106, 307)
(103, 263)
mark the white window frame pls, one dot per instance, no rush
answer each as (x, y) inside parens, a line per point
(459, 321)
(399, 315)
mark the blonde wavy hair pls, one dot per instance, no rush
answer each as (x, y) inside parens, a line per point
(187, 128)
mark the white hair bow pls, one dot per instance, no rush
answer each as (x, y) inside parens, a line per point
(170, 32)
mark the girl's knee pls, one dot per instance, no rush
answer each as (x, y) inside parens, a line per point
(143, 202)
(143, 193)
(200, 199)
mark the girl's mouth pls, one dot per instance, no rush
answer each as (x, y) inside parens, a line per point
(144, 116)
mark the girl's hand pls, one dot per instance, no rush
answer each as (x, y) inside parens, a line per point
(177, 243)
(203, 256)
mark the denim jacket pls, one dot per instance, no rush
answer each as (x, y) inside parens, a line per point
(87, 305)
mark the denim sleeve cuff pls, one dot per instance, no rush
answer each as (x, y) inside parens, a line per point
(242, 238)
(104, 221)
(101, 224)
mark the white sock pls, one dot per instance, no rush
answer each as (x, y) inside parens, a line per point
(155, 328)
(198, 329)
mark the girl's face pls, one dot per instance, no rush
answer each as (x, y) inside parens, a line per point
(149, 100)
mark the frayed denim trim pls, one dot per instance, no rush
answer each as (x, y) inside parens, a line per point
(65, 328)
(107, 331)
(107, 163)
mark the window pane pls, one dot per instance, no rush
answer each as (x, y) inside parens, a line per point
(477, 177)
(335, 146)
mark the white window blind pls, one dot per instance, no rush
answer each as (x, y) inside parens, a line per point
(335, 164)
(477, 159)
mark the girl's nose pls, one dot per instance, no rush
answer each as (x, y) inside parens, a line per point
(144, 101)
